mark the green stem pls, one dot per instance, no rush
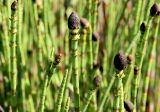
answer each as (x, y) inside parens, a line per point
(40, 48)
(83, 52)
(118, 104)
(13, 39)
(140, 53)
(150, 68)
(48, 76)
(67, 105)
(61, 92)
(74, 36)
(89, 99)
(94, 12)
(90, 49)
(20, 56)
(66, 48)
(43, 95)
(104, 98)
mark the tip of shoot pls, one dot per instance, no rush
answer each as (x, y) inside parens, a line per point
(120, 61)
(129, 59)
(34, 1)
(128, 105)
(14, 6)
(29, 52)
(154, 11)
(58, 58)
(95, 36)
(136, 69)
(96, 65)
(1, 26)
(84, 22)
(143, 27)
(97, 80)
(73, 21)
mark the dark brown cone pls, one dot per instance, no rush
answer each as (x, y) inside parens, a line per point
(14, 6)
(29, 52)
(154, 9)
(136, 70)
(96, 65)
(57, 58)
(95, 36)
(84, 22)
(120, 61)
(143, 27)
(128, 105)
(73, 21)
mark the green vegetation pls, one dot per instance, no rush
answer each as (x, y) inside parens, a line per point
(79, 55)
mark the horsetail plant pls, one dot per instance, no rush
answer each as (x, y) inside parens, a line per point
(21, 65)
(120, 63)
(150, 66)
(94, 10)
(13, 39)
(40, 46)
(134, 86)
(48, 75)
(61, 92)
(128, 79)
(67, 105)
(86, 80)
(96, 40)
(106, 94)
(84, 31)
(74, 25)
(142, 45)
(96, 84)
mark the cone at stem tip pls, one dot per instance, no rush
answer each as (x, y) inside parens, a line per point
(14, 6)
(97, 80)
(128, 105)
(73, 21)
(143, 27)
(84, 22)
(136, 70)
(120, 61)
(154, 11)
(58, 58)
(95, 36)
(129, 59)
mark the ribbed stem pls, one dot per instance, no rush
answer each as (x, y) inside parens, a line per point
(89, 99)
(43, 95)
(74, 36)
(83, 52)
(118, 105)
(140, 53)
(104, 98)
(48, 76)
(13, 39)
(90, 49)
(61, 92)
(150, 68)
(94, 12)
(20, 56)
(67, 105)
